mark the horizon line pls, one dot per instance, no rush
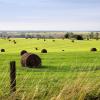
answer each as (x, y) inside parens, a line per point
(50, 30)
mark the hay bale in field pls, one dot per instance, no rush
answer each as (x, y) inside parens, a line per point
(31, 60)
(93, 49)
(36, 48)
(73, 41)
(2, 50)
(44, 40)
(53, 40)
(9, 40)
(87, 38)
(43, 51)
(23, 52)
(14, 41)
(63, 50)
(37, 38)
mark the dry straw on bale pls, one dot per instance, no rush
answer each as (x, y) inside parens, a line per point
(43, 51)
(30, 60)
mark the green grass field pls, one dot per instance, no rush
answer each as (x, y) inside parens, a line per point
(72, 74)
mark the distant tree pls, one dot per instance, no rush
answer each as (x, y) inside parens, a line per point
(78, 37)
(91, 35)
(22, 35)
(51, 37)
(1, 35)
(32, 36)
(66, 35)
(69, 35)
(38, 36)
(97, 36)
(87, 37)
(28, 36)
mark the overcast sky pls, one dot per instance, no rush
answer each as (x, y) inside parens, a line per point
(81, 15)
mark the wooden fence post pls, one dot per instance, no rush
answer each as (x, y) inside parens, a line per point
(12, 76)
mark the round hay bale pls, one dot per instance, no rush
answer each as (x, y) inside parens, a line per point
(2, 50)
(37, 38)
(53, 40)
(23, 52)
(15, 42)
(43, 51)
(73, 41)
(9, 40)
(93, 49)
(36, 48)
(87, 38)
(44, 40)
(31, 60)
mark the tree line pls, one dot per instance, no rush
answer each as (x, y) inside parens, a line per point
(65, 35)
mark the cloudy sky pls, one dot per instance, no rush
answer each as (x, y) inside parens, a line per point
(81, 15)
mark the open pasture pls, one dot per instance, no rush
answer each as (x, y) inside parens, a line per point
(69, 71)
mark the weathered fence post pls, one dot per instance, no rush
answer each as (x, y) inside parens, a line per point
(12, 76)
